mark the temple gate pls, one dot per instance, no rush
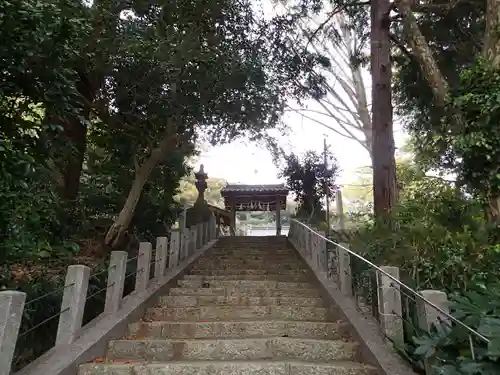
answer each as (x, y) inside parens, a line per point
(255, 198)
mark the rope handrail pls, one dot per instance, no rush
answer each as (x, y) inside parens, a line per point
(397, 281)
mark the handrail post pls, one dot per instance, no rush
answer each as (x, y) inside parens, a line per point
(116, 281)
(389, 303)
(199, 236)
(161, 256)
(143, 266)
(182, 219)
(428, 315)
(206, 232)
(212, 228)
(322, 254)
(193, 241)
(175, 244)
(73, 303)
(345, 274)
(11, 314)
(185, 245)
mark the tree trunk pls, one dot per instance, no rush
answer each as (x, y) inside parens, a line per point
(384, 165)
(358, 84)
(118, 229)
(491, 54)
(422, 52)
(438, 83)
(75, 134)
(491, 46)
(362, 108)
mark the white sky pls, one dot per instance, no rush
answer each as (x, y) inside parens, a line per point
(244, 162)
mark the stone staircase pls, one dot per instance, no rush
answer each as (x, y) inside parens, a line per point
(248, 306)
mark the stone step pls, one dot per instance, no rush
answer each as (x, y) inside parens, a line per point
(237, 329)
(194, 301)
(237, 313)
(269, 277)
(266, 266)
(244, 292)
(246, 271)
(285, 263)
(244, 284)
(251, 261)
(232, 350)
(248, 250)
(245, 256)
(226, 368)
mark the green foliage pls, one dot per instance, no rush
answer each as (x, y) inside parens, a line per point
(440, 240)
(310, 180)
(448, 346)
(29, 207)
(478, 146)
(453, 38)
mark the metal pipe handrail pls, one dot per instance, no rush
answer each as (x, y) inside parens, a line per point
(401, 284)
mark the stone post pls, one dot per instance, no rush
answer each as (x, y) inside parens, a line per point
(322, 254)
(11, 314)
(194, 241)
(175, 243)
(161, 256)
(278, 217)
(310, 244)
(185, 245)
(428, 315)
(389, 303)
(302, 238)
(182, 219)
(73, 304)
(345, 273)
(143, 266)
(296, 235)
(199, 236)
(340, 208)
(317, 251)
(212, 225)
(206, 232)
(116, 281)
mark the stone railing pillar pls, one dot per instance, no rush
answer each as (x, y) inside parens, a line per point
(73, 304)
(182, 219)
(199, 236)
(193, 241)
(212, 228)
(175, 247)
(428, 315)
(11, 314)
(389, 304)
(322, 254)
(143, 266)
(344, 269)
(161, 255)
(116, 281)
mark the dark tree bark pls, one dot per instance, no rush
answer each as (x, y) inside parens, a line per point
(117, 231)
(75, 134)
(384, 165)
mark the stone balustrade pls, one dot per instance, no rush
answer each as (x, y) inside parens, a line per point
(335, 262)
(168, 255)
